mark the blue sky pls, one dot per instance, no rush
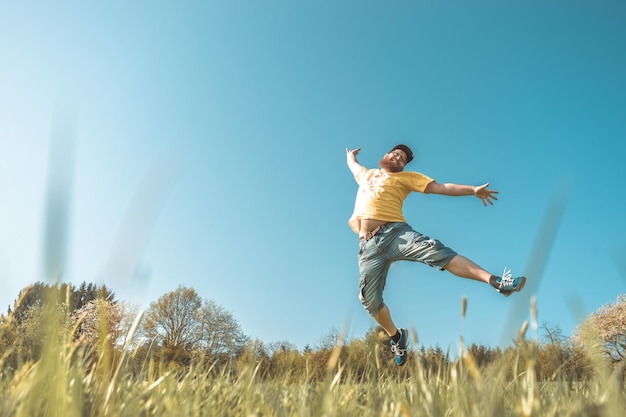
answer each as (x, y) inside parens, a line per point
(209, 151)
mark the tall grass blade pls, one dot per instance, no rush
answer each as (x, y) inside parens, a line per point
(127, 342)
(59, 192)
(538, 258)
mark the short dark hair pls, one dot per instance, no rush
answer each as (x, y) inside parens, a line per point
(406, 150)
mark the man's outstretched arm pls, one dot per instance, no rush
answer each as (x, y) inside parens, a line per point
(353, 164)
(481, 191)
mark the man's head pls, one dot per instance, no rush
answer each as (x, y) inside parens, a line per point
(407, 151)
(396, 158)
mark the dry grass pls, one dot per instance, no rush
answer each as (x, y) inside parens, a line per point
(65, 383)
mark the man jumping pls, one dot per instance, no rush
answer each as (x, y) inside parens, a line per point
(385, 237)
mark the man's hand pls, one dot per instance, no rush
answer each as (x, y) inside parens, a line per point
(485, 194)
(352, 153)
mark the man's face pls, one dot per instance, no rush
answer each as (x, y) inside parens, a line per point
(393, 161)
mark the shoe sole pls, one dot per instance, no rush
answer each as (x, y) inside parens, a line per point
(518, 289)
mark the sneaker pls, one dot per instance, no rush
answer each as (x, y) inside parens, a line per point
(508, 285)
(399, 349)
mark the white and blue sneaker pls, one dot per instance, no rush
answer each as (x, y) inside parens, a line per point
(506, 285)
(400, 348)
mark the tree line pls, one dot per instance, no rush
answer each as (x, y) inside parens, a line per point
(181, 329)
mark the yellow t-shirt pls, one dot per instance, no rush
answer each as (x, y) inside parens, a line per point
(381, 194)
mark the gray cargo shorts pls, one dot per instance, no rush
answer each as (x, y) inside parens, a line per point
(394, 242)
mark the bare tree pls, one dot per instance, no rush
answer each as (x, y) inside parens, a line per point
(173, 320)
(183, 327)
(608, 324)
(221, 335)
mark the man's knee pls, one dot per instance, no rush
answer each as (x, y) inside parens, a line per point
(372, 303)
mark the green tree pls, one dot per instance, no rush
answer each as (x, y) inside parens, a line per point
(286, 362)
(8, 339)
(35, 295)
(32, 330)
(26, 325)
(483, 355)
(87, 292)
(434, 360)
(29, 297)
(255, 355)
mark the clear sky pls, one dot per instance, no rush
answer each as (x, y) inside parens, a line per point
(202, 143)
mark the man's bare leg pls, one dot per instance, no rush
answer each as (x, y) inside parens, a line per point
(459, 266)
(383, 317)
(464, 268)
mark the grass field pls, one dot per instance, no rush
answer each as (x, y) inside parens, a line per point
(66, 383)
